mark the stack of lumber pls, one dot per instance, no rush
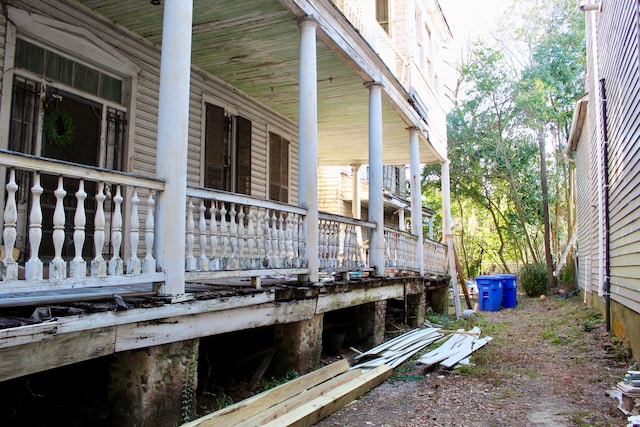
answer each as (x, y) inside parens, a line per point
(300, 402)
(456, 349)
(630, 391)
(393, 352)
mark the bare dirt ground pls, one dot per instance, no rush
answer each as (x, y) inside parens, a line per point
(549, 364)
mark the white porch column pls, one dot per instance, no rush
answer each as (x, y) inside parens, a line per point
(308, 141)
(356, 204)
(173, 122)
(401, 221)
(430, 228)
(416, 195)
(448, 237)
(376, 206)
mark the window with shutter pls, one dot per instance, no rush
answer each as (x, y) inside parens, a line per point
(278, 168)
(227, 151)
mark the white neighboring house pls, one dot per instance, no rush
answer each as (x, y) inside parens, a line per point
(605, 146)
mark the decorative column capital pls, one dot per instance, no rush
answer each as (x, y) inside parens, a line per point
(373, 83)
(307, 20)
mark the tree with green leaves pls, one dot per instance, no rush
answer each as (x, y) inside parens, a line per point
(509, 197)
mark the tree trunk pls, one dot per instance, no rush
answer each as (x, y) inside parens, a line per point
(545, 207)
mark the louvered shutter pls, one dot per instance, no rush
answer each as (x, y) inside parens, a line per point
(214, 153)
(243, 158)
(278, 168)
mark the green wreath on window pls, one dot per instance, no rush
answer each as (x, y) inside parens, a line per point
(58, 127)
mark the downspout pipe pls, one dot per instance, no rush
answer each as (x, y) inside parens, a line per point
(605, 177)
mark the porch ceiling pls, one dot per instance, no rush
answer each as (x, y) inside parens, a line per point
(254, 46)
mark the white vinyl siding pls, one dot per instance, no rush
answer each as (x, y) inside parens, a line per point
(618, 56)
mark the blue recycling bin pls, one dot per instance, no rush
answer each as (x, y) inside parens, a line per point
(509, 289)
(489, 292)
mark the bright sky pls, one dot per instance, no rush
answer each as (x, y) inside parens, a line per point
(471, 18)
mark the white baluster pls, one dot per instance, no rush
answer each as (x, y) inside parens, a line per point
(266, 239)
(303, 243)
(233, 232)
(78, 265)
(242, 236)
(346, 248)
(224, 236)
(214, 263)
(296, 237)
(288, 240)
(190, 260)
(322, 244)
(116, 264)
(274, 241)
(203, 261)
(57, 266)
(98, 264)
(149, 262)
(281, 243)
(329, 247)
(134, 266)
(33, 267)
(251, 235)
(353, 252)
(260, 241)
(336, 244)
(9, 233)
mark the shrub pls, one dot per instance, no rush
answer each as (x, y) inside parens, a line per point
(534, 279)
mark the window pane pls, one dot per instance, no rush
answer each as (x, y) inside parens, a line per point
(59, 68)
(86, 79)
(110, 88)
(29, 56)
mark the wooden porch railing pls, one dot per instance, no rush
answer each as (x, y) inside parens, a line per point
(435, 258)
(71, 237)
(402, 249)
(115, 214)
(232, 235)
(341, 243)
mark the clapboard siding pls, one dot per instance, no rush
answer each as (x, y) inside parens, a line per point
(3, 33)
(146, 56)
(329, 199)
(585, 217)
(618, 57)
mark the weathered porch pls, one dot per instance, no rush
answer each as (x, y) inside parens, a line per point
(228, 236)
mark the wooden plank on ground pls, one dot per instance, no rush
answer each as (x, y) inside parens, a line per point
(244, 409)
(317, 409)
(448, 348)
(289, 405)
(452, 360)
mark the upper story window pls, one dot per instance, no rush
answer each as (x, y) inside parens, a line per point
(394, 179)
(423, 42)
(382, 14)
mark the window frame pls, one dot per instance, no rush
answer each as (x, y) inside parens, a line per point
(232, 113)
